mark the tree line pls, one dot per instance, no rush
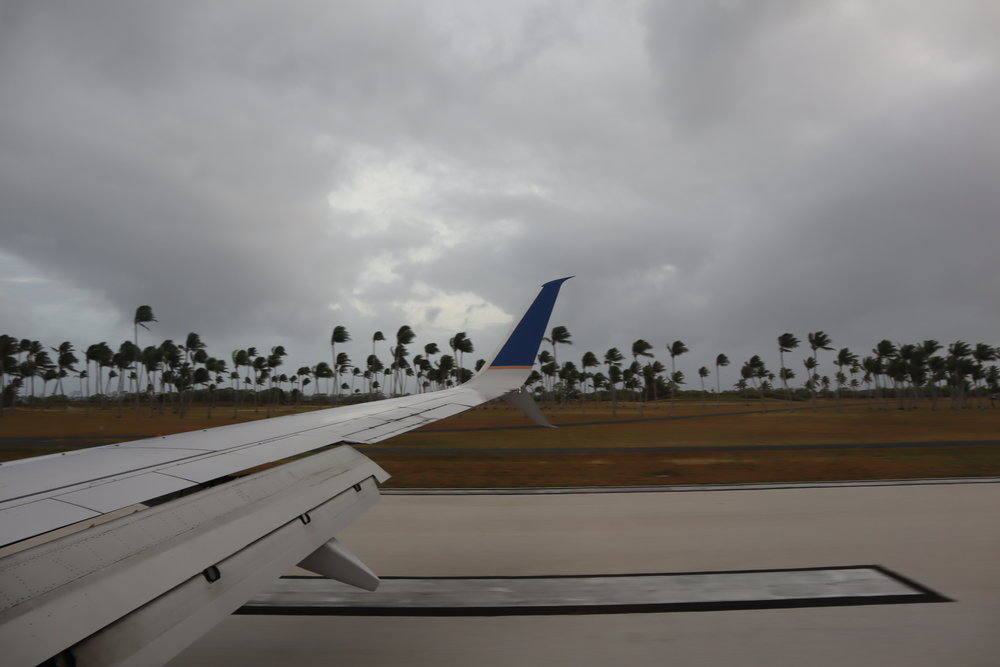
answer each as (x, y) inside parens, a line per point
(172, 375)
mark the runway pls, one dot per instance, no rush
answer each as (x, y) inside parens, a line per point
(945, 537)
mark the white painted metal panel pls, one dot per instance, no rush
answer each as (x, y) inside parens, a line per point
(214, 467)
(378, 432)
(398, 413)
(125, 491)
(24, 521)
(360, 424)
(443, 411)
(57, 473)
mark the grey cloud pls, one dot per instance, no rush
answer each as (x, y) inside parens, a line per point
(715, 172)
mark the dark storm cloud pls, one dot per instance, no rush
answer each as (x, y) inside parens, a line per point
(718, 172)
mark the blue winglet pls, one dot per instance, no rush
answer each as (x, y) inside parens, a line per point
(522, 345)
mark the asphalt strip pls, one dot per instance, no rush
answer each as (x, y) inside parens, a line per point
(594, 594)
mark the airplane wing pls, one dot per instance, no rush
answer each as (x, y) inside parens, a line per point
(127, 553)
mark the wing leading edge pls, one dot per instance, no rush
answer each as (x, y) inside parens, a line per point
(123, 590)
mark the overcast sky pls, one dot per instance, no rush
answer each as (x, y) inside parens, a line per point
(718, 172)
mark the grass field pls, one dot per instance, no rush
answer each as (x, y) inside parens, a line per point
(495, 446)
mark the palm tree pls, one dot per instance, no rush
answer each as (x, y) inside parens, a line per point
(83, 375)
(550, 370)
(446, 364)
(259, 365)
(36, 359)
(303, 375)
(755, 371)
(376, 337)
(112, 374)
(421, 365)
(172, 358)
(959, 366)
(65, 360)
(589, 360)
(787, 374)
(982, 353)
(640, 348)
(818, 341)
(676, 380)
(343, 366)
(651, 374)
(568, 376)
(49, 375)
(151, 358)
(812, 377)
(404, 336)
(322, 371)
(143, 315)
(992, 380)
(871, 367)
(675, 349)
(9, 348)
(92, 355)
(374, 366)
(559, 336)
(703, 373)
(274, 360)
(742, 386)
(214, 368)
(460, 345)
(720, 361)
(123, 360)
(884, 350)
(545, 358)
(786, 343)
(613, 358)
(844, 358)
(339, 335)
(917, 367)
(192, 344)
(599, 381)
(240, 359)
(938, 368)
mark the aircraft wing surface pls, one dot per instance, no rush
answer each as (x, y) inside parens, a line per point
(124, 554)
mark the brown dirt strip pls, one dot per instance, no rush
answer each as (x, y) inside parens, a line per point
(628, 420)
(437, 470)
(700, 448)
(662, 446)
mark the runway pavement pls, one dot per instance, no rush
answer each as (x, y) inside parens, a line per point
(945, 537)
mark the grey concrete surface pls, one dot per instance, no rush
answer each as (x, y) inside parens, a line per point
(945, 537)
(492, 596)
